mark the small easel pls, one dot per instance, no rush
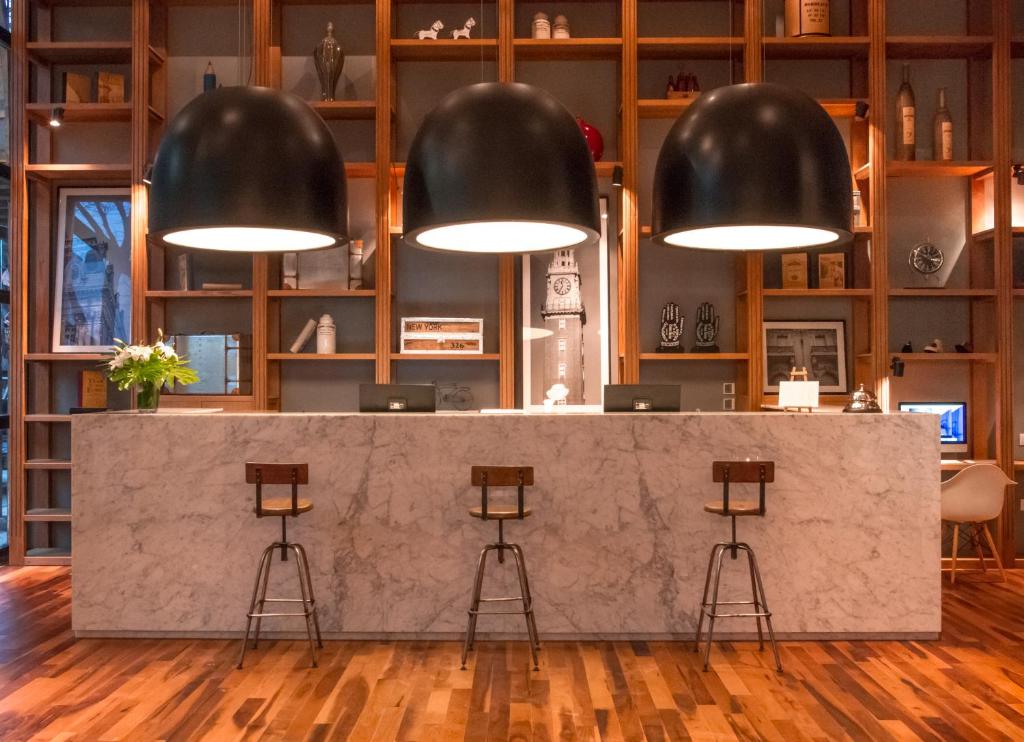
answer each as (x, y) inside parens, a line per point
(796, 374)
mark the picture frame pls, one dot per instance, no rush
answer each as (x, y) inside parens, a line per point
(92, 270)
(581, 343)
(818, 346)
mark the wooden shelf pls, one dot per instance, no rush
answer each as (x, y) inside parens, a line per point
(46, 418)
(690, 47)
(66, 357)
(200, 294)
(943, 293)
(938, 47)
(932, 169)
(404, 50)
(347, 110)
(653, 108)
(819, 293)
(319, 293)
(817, 47)
(80, 52)
(79, 171)
(48, 464)
(959, 464)
(80, 112)
(47, 556)
(946, 357)
(48, 515)
(567, 49)
(321, 356)
(694, 356)
(361, 169)
(444, 356)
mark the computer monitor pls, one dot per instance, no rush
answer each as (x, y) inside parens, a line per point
(397, 398)
(952, 422)
(642, 398)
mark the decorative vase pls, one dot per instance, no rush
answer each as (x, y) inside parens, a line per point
(329, 59)
(595, 142)
(147, 396)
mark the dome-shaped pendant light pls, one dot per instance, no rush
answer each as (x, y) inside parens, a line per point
(500, 168)
(752, 167)
(248, 169)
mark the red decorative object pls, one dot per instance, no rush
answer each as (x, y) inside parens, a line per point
(595, 142)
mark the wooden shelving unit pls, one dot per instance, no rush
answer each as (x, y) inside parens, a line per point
(746, 51)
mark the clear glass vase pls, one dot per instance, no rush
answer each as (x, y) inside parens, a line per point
(147, 397)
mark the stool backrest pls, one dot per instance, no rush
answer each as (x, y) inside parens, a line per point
(263, 473)
(743, 472)
(502, 476)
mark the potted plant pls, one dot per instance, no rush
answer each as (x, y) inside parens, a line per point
(148, 368)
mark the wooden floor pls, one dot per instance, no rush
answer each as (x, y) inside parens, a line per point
(968, 686)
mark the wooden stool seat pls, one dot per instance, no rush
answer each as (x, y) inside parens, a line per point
(736, 507)
(283, 506)
(499, 514)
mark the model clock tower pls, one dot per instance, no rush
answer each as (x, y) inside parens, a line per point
(564, 316)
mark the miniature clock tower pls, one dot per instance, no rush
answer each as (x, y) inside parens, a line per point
(564, 315)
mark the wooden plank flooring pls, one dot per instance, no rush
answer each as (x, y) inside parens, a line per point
(968, 686)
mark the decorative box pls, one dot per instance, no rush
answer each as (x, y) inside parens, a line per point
(223, 362)
(442, 335)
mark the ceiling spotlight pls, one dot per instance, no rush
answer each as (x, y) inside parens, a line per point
(897, 366)
(1018, 173)
(56, 116)
(617, 176)
(860, 110)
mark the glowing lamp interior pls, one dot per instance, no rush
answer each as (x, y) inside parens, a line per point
(751, 237)
(501, 237)
(249, 239)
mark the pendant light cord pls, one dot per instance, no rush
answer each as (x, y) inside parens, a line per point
(247, 79)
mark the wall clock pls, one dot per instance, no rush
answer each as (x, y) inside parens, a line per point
(562, 286)
(926, 258)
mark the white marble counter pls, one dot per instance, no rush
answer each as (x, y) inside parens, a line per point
(165, 541)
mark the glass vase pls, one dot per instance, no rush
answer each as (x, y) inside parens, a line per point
(147, 397)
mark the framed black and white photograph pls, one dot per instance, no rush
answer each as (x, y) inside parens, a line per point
(820, 347)
(566, 311)
(93, 262)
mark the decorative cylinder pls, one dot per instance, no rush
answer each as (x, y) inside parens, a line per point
(807, 18)
(326, 335)
(541, 26)
(355, 264)
(560, 28)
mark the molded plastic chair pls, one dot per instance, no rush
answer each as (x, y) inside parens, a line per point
(972, 498)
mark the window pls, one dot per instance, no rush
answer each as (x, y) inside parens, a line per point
(561, 345)
(561, 370)
(561, 323)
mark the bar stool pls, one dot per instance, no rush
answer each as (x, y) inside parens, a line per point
(294, 475)
(745, 472)
(485, 477)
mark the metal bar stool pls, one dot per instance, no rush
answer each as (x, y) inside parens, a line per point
(294, 475)
(501, 476)
(746, 472)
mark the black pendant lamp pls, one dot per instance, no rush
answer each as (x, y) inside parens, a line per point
(500, 168)
(753, 167)
(248, 169)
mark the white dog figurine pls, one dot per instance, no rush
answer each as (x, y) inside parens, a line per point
(463, 33)
(432, 33)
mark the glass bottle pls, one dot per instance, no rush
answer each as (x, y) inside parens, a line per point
(942, 131)
(906, 119)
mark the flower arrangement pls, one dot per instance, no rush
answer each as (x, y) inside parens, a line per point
(148, 368)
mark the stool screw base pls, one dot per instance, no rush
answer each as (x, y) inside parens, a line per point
(259, 599)
(759, 602)
(524, 597)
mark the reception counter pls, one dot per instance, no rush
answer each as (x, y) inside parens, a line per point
(165, 542)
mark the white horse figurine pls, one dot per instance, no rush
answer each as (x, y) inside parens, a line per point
(432, 33)
(463, 32)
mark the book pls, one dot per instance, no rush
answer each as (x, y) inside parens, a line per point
(355, 264)
(92, 390)
(185, 272)
(77, 88)
(290, 270)
(215, 286)
(794, 270)
(109, 87)
(832, 270)
(323, 269)
(303, 336)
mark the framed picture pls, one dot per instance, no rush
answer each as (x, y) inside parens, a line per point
(92, 301)
(820, 347)
(566, 318)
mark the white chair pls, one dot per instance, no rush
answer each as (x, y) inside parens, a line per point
(972, 498)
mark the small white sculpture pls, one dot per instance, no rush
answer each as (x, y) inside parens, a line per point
(432, 33)
(560, 28)
(935, 346)
(555, 396)
(541, 26)
(463, 33)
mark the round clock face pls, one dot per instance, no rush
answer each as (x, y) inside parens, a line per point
(562, 286)
(926, 258)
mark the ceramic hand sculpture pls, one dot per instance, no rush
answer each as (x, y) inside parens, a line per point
(707, 329)
(435, 27)
(463, 33)
(329, 59)
(672, 322)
